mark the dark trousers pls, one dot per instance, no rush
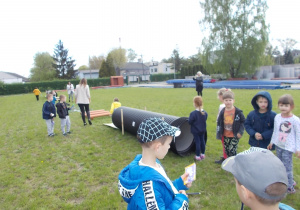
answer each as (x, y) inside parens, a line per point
(37, 97)
(200, 143)
(84, 108)
(199, 93)
(230, 144)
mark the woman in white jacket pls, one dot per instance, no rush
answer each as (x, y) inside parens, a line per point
(83, 99)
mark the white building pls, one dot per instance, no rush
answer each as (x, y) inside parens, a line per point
(8, 78)
(88, 74)
(160, 68)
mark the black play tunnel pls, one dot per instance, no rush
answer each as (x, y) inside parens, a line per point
(132, 118)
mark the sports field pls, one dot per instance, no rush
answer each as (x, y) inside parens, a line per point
(80, 171)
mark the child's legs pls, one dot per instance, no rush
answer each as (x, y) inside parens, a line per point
(202, 143)
(63, 124)
(197, 142)
(224, 152)
(68, 123)
(49, 126)
(287, 160)
(230, 144)
(37, 97)
(52, 126)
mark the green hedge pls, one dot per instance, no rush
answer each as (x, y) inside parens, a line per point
(163, 77)
(19, 88)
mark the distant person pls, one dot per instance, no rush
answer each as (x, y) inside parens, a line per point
(230, 124)
(49, 113)
(63, 113)
(54, 96)
(197, 120)
(260, 179)
(259, 123)
(37, 93)
(286, 137)
(143, 183)
(199, 83)
(83, 99)
(115, 104)
(70, 89)
(221, 106)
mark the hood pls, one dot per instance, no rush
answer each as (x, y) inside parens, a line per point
(132, 176)
(264, 94)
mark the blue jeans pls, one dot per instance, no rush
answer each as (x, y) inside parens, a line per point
(200, 143)
(287, 159)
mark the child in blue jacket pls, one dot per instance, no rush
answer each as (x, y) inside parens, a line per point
(260, 122)
(197, 120)
(49, 113)
(144, 184)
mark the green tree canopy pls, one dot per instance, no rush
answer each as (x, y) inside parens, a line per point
(83, 67)
(64, 65)
(43, 69)
(131, 55)
(237, 35)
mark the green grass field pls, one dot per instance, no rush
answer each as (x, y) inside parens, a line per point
(80, 171)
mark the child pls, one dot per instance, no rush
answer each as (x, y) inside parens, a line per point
(49, 113)
(259, 184)
(260, 122)
(62, 111)
(197, 120)
(54, 97)
(230, 124)
(286, 137)
(37, 93)
(222, 105)
(115, 104)
(144, 184)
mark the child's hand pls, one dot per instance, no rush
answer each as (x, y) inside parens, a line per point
(239, 135)
(183, 192)
(51, 114)
(270, 146)
(185, 176)
(298, 154)
(258, 136)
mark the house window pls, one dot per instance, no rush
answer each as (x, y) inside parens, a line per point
(166, 69)
(155, 70)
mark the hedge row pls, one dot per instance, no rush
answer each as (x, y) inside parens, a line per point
(163, 77)
(19, 88)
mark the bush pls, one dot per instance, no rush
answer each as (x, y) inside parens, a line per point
(19, 88)
(163, 77)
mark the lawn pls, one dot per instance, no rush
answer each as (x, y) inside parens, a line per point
(80, 171)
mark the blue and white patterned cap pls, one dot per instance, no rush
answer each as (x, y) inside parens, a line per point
(155, 128)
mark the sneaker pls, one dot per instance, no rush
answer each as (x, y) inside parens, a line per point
(291, 190)
(51, 135)
(202, 156)
(90, 122)
(69, 132)
(220, 161)
(197, 158)
(64, 134)
(84, 124)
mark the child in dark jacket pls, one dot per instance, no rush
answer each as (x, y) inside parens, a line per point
(62, 111)
(230, 124)
(49, 113)
(197, 120)
(260, 122)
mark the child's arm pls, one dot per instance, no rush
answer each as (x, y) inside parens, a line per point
(112, 107)
(248, 125)
(45, 111)
(241, 128)
(268, 133)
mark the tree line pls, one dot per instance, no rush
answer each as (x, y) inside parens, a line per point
(236, 42)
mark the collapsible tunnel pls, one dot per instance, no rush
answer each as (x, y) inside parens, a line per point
(132, 118)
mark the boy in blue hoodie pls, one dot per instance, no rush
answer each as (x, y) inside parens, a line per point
(260, 122)
(49, 113)
(144, 184)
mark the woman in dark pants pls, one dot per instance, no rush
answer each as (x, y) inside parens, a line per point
(199, 83)
(83, 99)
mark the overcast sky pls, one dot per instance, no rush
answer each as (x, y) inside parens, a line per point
(152, 28)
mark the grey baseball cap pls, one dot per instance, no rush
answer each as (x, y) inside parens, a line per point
(256, 169)
(155, 128)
